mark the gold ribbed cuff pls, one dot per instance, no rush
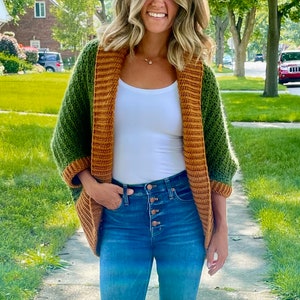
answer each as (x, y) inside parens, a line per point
(73, 169)
(221, 188)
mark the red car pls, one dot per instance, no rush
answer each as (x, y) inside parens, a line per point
(289, 66)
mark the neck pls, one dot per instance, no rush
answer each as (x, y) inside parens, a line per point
(152, 46)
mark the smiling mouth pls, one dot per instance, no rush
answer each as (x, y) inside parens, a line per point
(157, 15)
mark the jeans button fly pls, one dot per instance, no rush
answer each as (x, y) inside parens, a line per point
(152, 200)
(149, 187)
(155, 223)
(154, 211)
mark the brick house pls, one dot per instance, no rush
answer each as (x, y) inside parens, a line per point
(35, 28)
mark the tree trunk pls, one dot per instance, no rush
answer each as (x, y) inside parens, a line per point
(240, 40)
(240, 58)
(271, 82)
(220, 28)
(101, 12)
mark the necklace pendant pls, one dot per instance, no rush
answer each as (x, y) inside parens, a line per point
(148, 61)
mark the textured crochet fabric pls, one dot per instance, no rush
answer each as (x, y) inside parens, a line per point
(83, 137)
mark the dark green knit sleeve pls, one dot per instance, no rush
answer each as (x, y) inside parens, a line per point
(71, 141)
(221, 160)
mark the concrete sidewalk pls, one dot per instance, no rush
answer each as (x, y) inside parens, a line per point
(242, 277)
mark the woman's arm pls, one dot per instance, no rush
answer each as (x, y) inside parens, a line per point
(222, 165)
(218, 248)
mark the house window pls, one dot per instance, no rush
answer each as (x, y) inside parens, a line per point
(35, 44)
(40, 9)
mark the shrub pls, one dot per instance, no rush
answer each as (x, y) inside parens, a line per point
(31, 54)
(10, 63)
(13, 64)
(9, 45)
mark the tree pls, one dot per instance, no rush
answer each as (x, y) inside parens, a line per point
(258, 41)
(241, 14)
(16, 8)
(101, 12)
(289, 10)
(242, 20)
(289, 34)
(271, 84)
(104, 11)
(277, 13)
(220, 21)
(74, 23)
(221, 25)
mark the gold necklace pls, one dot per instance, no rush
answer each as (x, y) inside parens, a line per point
(148, 61)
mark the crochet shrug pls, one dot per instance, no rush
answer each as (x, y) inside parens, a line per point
(83, 136)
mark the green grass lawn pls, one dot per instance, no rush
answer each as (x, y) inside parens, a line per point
(33, 92)
(249, 107)
(35, 210)
(232, 83)
(270, 165)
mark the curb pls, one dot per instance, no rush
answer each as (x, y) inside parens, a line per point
(267, 125)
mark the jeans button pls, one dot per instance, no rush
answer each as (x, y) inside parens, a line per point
(154, 211)
(152, 200)
(149, 187)
(155, 223)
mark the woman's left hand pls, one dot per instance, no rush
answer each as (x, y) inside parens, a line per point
(217, 251)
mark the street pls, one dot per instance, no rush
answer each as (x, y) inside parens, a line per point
(294, 88)
(258, 69)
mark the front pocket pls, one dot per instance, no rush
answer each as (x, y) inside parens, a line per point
(183, 194)
(118, 208)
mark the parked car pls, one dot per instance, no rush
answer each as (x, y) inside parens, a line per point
(259, 57)
(51, 61)
(227, 60)
(289, 66)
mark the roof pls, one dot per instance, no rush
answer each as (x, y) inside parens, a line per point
(4, 15)
(54, 2)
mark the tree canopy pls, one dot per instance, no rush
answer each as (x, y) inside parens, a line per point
(76, 19)
(16, 8)
(74, 23)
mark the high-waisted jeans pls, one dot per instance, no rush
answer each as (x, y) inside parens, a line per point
(159, 221)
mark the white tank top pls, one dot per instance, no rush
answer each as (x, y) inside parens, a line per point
(147, 134)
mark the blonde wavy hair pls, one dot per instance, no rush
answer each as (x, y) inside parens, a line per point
(187, 39)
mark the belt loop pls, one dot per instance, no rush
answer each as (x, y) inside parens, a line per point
(125, 196)
(169, 188)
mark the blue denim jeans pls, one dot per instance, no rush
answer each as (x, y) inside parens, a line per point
(159, 221)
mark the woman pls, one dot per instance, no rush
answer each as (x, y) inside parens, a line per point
(142, 144)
